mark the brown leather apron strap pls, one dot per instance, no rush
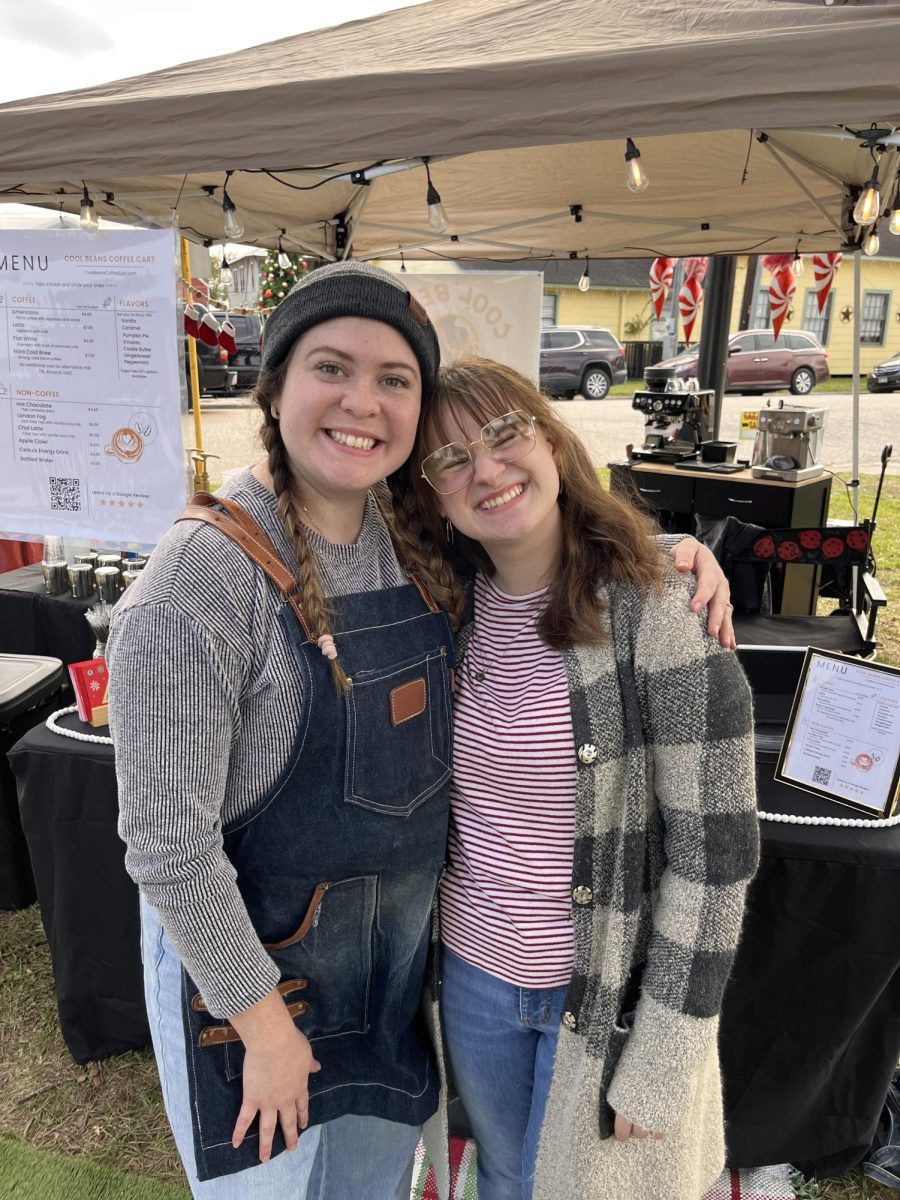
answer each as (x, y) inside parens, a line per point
(255, 543)
(235, 510)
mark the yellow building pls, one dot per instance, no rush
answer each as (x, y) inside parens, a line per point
(619, 300)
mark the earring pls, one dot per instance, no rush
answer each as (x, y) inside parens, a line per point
(449, 530)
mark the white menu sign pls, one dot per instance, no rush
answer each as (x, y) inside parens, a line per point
(844, 738)
(89, 384)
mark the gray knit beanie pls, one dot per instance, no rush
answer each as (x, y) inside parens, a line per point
(352, 289)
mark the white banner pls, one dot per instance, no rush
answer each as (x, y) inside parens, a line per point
(493, 314)
(90, 384)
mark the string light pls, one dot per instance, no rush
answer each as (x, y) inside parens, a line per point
(636, 178)
(872, 244)
(234, 226)
(894, 223)
(226, 275)
(584, 283)
(402, 263)
(438, 221)
(283, 261)
(867, 207)
(797, 264)
(88, 215)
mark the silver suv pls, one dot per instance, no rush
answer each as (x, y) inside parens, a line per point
(579, 358)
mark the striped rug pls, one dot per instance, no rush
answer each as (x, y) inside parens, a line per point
(764, 1183)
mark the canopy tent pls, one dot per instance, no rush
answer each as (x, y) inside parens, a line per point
(522, 106)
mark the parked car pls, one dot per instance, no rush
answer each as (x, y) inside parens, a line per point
(580, 359)
(885, 377)
(757, 363)
(221, 373)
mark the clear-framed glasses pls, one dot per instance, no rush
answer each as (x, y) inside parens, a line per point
(505, 439)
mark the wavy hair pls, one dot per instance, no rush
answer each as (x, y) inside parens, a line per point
(605, 539)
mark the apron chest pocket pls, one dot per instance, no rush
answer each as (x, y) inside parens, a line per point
(398, 735)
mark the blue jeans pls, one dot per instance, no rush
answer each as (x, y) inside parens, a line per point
(501, 1041)
(350, 1156)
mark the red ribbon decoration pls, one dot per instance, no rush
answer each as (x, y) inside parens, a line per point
(825, 267)
(662, 273)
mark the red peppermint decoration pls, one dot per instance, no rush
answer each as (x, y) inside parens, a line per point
(857, 539)
(764, 547)
(825, 267)
(695, 268)
(833, 547)
(789, 551)
(810, 539)
(662, 272)
(782, 290)
(689, 300)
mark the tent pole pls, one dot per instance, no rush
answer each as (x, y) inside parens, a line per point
(714, 333)
(857, 329)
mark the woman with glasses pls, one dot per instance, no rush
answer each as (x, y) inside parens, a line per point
(603, 826)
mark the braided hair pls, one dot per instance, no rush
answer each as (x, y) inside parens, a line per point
(315, 606)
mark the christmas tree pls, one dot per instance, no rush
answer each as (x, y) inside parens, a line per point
(276, 280)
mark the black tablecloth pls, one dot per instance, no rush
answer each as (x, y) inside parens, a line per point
(811, 1024)
(31, 622)
(89, 906)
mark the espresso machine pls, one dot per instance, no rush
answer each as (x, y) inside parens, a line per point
(675, 423)
(788, 443)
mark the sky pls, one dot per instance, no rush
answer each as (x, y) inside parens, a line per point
(56, 45)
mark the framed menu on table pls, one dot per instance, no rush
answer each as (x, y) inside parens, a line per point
(842, 740)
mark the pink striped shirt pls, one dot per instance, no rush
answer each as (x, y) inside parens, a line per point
(506, 894)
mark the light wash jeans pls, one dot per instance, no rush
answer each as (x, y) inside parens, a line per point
(501, 1040)
(349, 1157)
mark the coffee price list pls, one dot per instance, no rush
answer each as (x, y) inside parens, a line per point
(89, 384)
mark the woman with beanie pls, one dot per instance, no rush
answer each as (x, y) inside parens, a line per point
(603, 825)
(280, 705)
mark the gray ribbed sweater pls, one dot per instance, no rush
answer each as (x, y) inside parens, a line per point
(204, 697)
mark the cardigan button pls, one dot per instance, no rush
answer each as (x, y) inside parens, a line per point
(570, 1021)
(587, 753)
(582, 895)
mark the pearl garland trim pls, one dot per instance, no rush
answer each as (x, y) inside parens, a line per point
(847, 822)
(784, 818)
(73, 733)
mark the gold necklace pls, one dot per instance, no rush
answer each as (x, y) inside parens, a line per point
(479, 674)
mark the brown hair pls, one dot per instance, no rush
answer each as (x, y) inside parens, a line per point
(605, 539)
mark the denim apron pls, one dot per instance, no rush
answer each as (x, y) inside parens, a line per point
(338, 866)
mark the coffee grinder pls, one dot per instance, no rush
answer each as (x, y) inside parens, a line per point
(788, 443)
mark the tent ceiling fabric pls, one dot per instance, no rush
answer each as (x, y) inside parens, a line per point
(523, 106)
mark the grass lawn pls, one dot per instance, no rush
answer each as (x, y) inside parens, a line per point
(111, 1115)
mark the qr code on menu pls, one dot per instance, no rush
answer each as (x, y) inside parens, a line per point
(821, 775)
(65, 494)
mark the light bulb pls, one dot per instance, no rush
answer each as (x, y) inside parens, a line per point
(438, 220)
(894, 223)
(872, 245)
(283, 261)
(88, 216)
(867, 207)
(174, 221)
(797, 265)
(234, 227)
(636, 178)
(226, 277)
(584, 283)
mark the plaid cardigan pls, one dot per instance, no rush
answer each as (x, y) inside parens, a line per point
(666, 841)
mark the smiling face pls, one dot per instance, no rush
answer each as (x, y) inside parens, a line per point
(507, 507)
(348, 409)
